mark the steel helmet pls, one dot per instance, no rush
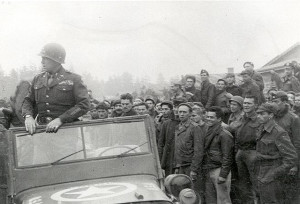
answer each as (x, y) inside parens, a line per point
(54, 51)
(174, 183)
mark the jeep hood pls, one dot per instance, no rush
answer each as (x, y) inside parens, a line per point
(109, 190)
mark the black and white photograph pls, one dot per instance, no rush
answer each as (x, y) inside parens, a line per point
(149, 102)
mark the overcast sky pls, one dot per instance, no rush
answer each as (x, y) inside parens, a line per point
(147, 38)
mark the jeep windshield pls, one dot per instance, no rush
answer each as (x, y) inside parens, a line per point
(82, 142)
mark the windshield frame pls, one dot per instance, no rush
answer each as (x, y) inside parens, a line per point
(81, 125)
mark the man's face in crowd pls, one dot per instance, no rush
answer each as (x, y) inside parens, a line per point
(142, 110)
(230, 80)
(249, 105)
(297, 99)
(204, 77)
(118, 108)
(220, 85)
(49, 65)
(264, 117)
(183, 113)
(288, 71)
(174, 88)
(196, 116)
(102, 113)
(211, 119)
(158, 108)
(126, 105)
(235, 107)
(291, 98)
(165, 110)
(190, 83)
(150, 104)
(248, 66)
(280, 103)
(246, 78)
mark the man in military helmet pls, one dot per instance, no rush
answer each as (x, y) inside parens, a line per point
(56, 96)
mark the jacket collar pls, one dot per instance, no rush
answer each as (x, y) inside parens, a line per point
(58, 77)
(268, 127)
(183, 126)
(252, 116)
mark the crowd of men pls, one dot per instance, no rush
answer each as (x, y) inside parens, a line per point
(238, 143)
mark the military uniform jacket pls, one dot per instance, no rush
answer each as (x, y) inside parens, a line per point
(276, 154)
(66, 97)
(189, 145)
(207, 94)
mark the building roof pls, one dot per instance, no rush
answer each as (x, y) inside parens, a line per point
(277, 63)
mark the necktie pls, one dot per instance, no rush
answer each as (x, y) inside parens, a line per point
(50, 79)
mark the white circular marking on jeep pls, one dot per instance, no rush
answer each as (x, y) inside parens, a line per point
(93, 192)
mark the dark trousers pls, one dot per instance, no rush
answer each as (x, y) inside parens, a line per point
(245, 160)
(271, 192)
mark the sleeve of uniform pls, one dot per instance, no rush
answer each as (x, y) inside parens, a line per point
(227, 146)
(161, 140)
(287, 152)
(211, 96)
(296, 137)
(197, 96)
(82, 103)
(259, 81)
(198, 138)
(29, 101)
(295, 85)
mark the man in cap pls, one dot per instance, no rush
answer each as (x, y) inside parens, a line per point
(151, 101)
(56, 96)
(231, 86)
(276, 155)
(127, 105)
(207, 90)
(290, 122)
(249, 87)
(222, 98)
(218, 156)
(176, 103)
(117, 108)
(290, 82)
(254, 75)
(245, 140)
(235, 118)
(177, 91)
(166, 138)
(100, 112)
(142, 108)
(193, 94)
(188, 144)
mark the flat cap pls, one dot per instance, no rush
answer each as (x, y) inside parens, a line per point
(115, 102)
(101, 105)
(268, 107)
(279, 94)
(238, 99)
(203, 71)
(168, 103)
(185, 104)
(190, 77)
(246, 71)
(179, 100)
(198, 104)
(150, 98)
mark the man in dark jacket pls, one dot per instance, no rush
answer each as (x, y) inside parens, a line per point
(151, 101)
(218, 156)
(127, 103)
(276, 155)
(117, 108)
(166, 139)
(245, 147)
(231, 86)
(192, 94)
(207, 90)
(188, 144)
(290, 122)
(249, 87)
(290, 82)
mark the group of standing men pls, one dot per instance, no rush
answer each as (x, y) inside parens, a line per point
(235, 147)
